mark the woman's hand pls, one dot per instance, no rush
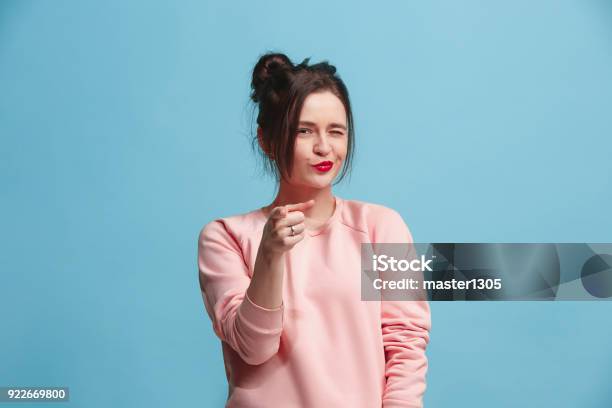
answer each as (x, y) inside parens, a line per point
(266, 287)
(277, 237)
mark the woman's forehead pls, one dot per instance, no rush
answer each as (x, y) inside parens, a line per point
(321, 107)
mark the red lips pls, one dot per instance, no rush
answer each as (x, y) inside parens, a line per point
(324, 166)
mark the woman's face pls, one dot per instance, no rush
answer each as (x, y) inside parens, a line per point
(322, 139)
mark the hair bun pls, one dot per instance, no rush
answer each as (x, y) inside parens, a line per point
(268, 66)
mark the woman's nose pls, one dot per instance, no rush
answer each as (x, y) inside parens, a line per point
(322, 145)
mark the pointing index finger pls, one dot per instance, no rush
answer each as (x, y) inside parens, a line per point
(279, 212)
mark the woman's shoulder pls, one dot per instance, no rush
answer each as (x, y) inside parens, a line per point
(366, 216)
(380, 222)
(238, 226)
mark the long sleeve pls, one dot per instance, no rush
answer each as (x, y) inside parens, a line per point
(249, 329)
(405, 328)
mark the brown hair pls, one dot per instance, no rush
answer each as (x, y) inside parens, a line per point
(279, 88)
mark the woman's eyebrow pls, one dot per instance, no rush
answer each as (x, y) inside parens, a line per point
(331, 125)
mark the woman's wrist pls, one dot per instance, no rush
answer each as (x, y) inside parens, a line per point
(269, 258)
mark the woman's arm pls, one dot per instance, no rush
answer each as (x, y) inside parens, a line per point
(266, 288)
(405, 329)
(405, 326)
(251, 329)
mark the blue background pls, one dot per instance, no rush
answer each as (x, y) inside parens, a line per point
(125, 128)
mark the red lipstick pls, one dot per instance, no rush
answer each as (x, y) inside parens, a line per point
(324, 166)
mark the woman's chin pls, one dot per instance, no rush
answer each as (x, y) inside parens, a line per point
(319, 183)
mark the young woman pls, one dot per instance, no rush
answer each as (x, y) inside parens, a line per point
(282, 283)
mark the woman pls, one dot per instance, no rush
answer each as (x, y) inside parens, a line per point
(281, 284)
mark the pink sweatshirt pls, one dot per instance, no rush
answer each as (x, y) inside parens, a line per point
(324, 346)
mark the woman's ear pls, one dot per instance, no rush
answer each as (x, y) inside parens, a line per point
(262, 144)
